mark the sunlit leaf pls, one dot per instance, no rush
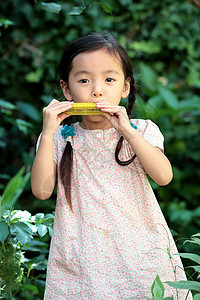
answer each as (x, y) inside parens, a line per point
(169, 98)
(186, 285)
(157, 288)
(31, 287)
(148, 77)
(29, 110)
(23, 232)
(34, 76)
(146, 46)
(51, 7)
(76, 10)
(42, 229)
(104, 5)
(196, 297)
(6, 105)
(6, 23)
(23, 125)
(191, 256)
(14, 188)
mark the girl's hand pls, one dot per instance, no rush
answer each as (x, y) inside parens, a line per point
(54, 114)
(117, 116)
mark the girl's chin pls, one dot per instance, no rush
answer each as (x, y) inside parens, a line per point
(95, 118)
(95, 122)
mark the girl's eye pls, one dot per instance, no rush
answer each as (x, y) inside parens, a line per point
(84, 81)
(110, 79)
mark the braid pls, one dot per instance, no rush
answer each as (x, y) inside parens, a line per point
(66, 165)
(131, 104)
(132, 97)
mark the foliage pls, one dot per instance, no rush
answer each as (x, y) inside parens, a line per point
(22, 234)
(158, 289)
(179, 120)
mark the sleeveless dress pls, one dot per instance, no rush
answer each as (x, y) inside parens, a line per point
(116, 240)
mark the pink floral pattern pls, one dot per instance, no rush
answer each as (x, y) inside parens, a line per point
(116, 240)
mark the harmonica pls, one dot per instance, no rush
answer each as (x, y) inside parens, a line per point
(84, 109)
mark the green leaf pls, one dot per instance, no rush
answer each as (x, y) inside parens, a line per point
(156, 102)
(42, 229)
(157, 288)
(6, 23)
(23, 232)
(31, 287)
(169, 98)
(193, 241)
(150, 47)
(34, 76)
(3, 231)
(196, 235)
(196, 268)
(196, 297)
(76, 10)
(104, 5)
(185, 285)
(192, 256)
(161, 298)
(35, 245)
(14, 188)
(6, 105)
(51, 7)
(149, 77)
(23, 215)
(23, 125)
(29, 110)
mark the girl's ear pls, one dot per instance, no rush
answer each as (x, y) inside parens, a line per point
(126, 90)
(66, 90)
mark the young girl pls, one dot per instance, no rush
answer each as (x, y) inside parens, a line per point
(110, 239)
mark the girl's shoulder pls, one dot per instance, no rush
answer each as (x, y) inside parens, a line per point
(150, 131)
(144, 124)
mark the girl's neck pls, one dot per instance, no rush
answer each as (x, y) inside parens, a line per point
(85, 124)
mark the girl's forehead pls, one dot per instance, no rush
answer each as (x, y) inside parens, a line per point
(101, 59)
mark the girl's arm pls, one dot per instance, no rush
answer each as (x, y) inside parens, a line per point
(154, 162)
(43, 174)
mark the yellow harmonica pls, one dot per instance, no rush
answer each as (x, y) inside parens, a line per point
(84, 109)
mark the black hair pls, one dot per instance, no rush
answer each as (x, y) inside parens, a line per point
(90, 43)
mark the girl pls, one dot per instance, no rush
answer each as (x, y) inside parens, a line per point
(110, 239)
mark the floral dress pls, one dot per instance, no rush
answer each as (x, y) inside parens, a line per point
(116, 240)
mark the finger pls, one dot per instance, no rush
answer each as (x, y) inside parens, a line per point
(58, 108)
(55, 103)
(113, 110)
(63, 116)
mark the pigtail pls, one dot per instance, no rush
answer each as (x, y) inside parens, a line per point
(131, 104)
(66, 165)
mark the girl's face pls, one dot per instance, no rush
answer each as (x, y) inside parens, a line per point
(96, 76)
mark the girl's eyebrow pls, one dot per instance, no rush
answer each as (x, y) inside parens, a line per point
(83, 72)
(111, 71)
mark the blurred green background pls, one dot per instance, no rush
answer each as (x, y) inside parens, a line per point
(163, 41)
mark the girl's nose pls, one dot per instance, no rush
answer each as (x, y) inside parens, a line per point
(97, 94)
(97, 91)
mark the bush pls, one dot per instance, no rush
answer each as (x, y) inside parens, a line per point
(24, 241)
